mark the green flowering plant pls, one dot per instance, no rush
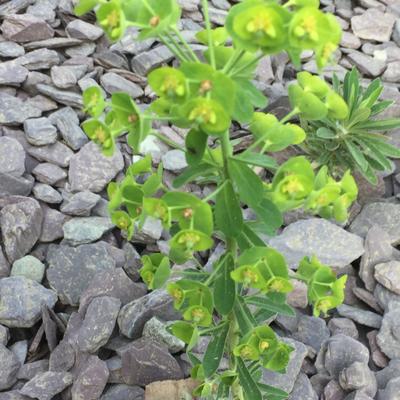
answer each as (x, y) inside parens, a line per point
(235, 301)
(350, 136)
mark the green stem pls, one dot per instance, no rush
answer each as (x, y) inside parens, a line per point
(173, 48)
(235, 58)
(186, 44)
(208, 27)
(215, 192)
(289, 116)
(167, 141)
(247, 65)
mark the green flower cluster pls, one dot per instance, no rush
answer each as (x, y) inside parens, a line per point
(295, 185)
(313, 99)
(265, 25)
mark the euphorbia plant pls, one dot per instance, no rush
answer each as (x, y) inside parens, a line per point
(234, 303)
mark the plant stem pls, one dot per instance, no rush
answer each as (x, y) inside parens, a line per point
(292, 113)
(215, 192)
(235, 58)
(208, 27)
(173, 48)
(247, 65)
(186, 44)
(167, 141)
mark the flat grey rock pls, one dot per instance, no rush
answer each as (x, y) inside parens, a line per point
(358, 376)
(12, 157)
(388, 275)
(29, 267)
(373, 25)
(9, 366)
(91, 170)
(388, 338)
(39, 59)
(49, 173)
(82, 230)
(112, 82)
(19, 186)
(46, 385)
(57, 153)
(83, 30)
(46, 193)
(363, 317)
(134, 315)
(302, 389)
(331, 244)
(384, 215)
(98, 324)
(23, 28)
(23, 310)
(67, 123)
(53, 222)
(65, 97)
(144, 362)
(80, 204)
(70, 269)
(66, 76)
(12, 74)
(52, 43)
(121, 391)
(369, 66)
(21, 223)
(40, 132)
(11, 50)
(14, 111)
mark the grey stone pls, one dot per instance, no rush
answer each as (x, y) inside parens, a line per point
(57, 153)
(114, 283)
(67, 123)
(378, 249)
(144, 362)
(4, 335)
(91, 170)
(174, 160)
(311, 331)
(82, 30)
(21, 223)
(14, 111)
(388, 275)
(65, 97)
(125, 392)
(53, 43)
(286, 381)
(99, 323)
(14, 7)
(369, 66)
(40, 132)
(53, 222)
(49, 173)
(379, 359)
(46, 193)
(331, 244)
(388, 338)
(373, 25)
(392, 73)
(70, 269)
(384, 215)
(20, 349)
(80, 204)
(388, 373)
(11, 49)
(82, 50)
(350, 41)
(298, 296)
(156, 330)
(91, 380)
(391, 391)
(43, 103)
(358, 376)
(363, 317)
(12, 157)
(23, 28)
(385, 297)
(67, 76)
(4, 265)
(302, 389)
(9, 366)
(24, 310)
(13, 394)
(11, 185)
(135, 314)
(39, 59)
(46, 385)
(338, 353)
(83, 230)
(12, 74)
(145, 62)
(344, 326)
(29, 267)
(112, 83)
(31, 369)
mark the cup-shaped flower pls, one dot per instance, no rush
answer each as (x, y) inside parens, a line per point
(123, 221)
(93, 101)
(337, 107)
(177, 293)
(199, 315)
(312, 83)
(100, 134)
(158, 209)
(247, 352)
(309, 105)
(112, 19)
(249, 276)
(207, 115)
(258, 25)
(169, 82)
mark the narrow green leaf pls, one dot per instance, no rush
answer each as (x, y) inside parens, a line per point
(224, 287)
(259, 160)
(248, 183)
(381, 124)
(196, 142)
(191, 173)
(250, 389)
(162, 273)
(215, 351)
(228, 214)
(357, 155)
(243, 316)
(268, 303)
(272, 392)
(270, 216)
